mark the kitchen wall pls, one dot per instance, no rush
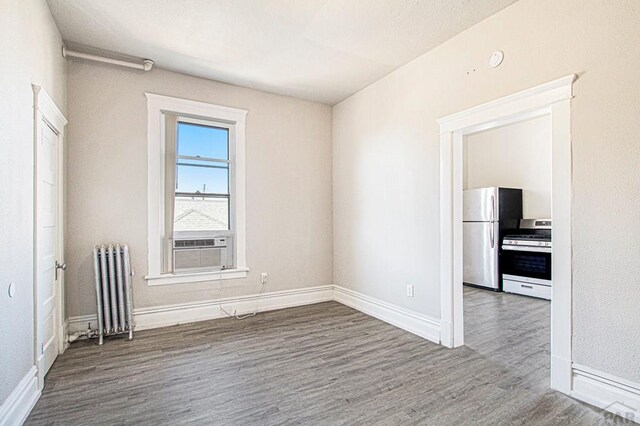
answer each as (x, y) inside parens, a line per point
(288, 183)
(30, 52)
(514, 156)
(386, 163)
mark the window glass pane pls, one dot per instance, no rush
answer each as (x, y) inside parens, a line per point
(204, 180)
(203, 141)
(198, 214)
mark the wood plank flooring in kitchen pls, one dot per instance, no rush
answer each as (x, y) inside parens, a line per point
(512, 330)
(323, 364)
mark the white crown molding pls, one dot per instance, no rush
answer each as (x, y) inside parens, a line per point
(413, 322)
(16, 408)
(615, 395)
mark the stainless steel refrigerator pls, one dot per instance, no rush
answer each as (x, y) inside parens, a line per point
(486, 214)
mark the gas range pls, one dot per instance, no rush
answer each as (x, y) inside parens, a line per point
(532, 233)
(526, 259)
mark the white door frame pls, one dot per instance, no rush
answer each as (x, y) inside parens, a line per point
(552, 99)
(45, 110)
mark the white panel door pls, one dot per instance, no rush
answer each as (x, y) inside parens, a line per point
(47, 249)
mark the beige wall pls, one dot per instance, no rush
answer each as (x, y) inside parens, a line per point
(288, 189)
(514, 156)
(30, 52)
(386, 163)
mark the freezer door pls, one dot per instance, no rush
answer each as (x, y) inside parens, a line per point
(480, 205)
(480, 254)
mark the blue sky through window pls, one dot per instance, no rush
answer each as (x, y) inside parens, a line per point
(208, 142)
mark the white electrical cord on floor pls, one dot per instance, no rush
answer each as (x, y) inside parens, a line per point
(235, 312)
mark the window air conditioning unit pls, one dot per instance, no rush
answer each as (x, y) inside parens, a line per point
(203, 254)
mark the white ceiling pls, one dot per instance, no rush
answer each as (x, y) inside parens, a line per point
(321, 50)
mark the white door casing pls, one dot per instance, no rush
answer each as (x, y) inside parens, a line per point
(552, 99)
(48, 232)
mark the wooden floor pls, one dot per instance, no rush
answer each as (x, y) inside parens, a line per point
(511, 330)
(323, 364)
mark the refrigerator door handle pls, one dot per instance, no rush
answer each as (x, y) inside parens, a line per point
(493, 208)
(491, 234)
(493, 223)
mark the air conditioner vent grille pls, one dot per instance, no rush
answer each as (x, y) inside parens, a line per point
(195, 243)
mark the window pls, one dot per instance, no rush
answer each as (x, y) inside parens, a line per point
(196, 191)
(202, 174)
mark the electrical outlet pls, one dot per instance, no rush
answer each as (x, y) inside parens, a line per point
(263, 278)
(409, 290)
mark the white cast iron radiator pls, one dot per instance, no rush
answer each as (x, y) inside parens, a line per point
(112, 268)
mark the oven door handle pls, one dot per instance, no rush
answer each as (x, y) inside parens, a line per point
(527, 248)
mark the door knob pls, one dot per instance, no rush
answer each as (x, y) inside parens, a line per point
(62, 266)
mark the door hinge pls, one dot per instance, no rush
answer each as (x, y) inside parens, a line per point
(42, 348)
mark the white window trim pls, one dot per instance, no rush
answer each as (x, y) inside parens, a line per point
(156, 105)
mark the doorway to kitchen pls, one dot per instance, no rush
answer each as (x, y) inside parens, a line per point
(552, 100)
(507, 246)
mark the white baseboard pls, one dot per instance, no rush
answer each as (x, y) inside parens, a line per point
(413, 322)
(607, 392)
(64, 341)
(81, 323)
(162, 316)
(16, 408)
(167, 315)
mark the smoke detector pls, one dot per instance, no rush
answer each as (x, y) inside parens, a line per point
(496, 58)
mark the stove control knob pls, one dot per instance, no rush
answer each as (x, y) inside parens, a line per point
(539, 243)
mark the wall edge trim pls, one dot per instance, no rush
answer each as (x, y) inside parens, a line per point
(16, 408)
(607, 392)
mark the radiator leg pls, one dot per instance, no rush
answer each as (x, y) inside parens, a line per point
(127, 289)
(96, 269)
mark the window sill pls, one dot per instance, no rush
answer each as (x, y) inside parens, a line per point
(168, 279)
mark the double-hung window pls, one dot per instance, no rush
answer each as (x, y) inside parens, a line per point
(196, 191)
